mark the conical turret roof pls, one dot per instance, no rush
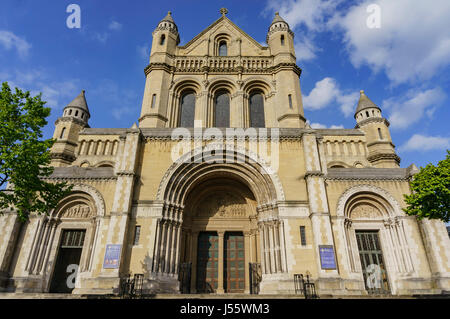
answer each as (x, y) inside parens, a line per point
(168, 17)
(365, 103)
(277, 18)
(80, 102)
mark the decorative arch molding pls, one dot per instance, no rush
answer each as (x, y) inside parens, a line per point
(221, 82)
(105, 164)
(337, 163)
(186, 83)
(257, 83)
(185, 174)
(250, 158)
(365, 188)
(94, 193)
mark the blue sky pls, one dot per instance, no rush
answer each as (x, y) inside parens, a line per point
(403, 66)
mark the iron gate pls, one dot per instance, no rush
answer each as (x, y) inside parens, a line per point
(305, 286)
(372, 263)
(184, 276)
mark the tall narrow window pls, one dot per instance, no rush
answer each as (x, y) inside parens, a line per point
(282, 39)
(256, 104)
(223, 50)
(222, 110)
(137, 234)
(163, 39)
(76, 113)
(303, 235)
(379, 134)
(62, 132)
(367, 113)
(187, 110)
(290, 101)
(153, 100)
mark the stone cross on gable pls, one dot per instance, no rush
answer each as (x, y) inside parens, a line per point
(223, 11)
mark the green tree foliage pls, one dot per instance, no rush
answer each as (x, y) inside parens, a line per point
(430, 196)
(24, 156)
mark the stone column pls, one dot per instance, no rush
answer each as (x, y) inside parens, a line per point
(10, 228)
(237, 110)
(247, 259)
(194, 248)
(220, 289)
(437, 247)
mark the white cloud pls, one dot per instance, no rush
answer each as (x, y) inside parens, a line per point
(308, 13)
(56, 93)
(425, 143)
(115, 26)
(308, 17)
(413, 42)
(305, 49)
(9, 40)
(325, 92)
(410, 108)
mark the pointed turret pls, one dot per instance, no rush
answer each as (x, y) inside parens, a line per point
(78, 108)
(376, 127)
(67, 128)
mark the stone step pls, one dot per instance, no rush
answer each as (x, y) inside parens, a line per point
(208, 296)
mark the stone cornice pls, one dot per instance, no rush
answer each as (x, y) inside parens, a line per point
(71, 119)
(382, 157)
(367, 174)
(373, 120)
(216, 64)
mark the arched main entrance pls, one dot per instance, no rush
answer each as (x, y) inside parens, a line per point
(220, 235)
(219, 217)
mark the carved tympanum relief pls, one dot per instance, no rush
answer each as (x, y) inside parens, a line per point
(222, 205)
(365, 211)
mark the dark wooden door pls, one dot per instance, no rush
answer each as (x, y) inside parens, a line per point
(234, 262)
(372, 263)
(207, 262)
(68, 260)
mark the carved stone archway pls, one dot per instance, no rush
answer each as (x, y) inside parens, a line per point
(178, 184)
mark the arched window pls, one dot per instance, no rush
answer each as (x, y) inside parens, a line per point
(163, 39)
(282, 39)
(187, 110)
(290, 101)
(76, 113)
(153, 100)
(223, 50)
(222, 109)
(256, 104)
(62, 132)
(379, 134)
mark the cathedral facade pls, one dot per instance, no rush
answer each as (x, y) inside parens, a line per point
(223, 187)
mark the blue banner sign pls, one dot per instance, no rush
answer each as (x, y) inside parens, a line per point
(112, 256)
(327, 260)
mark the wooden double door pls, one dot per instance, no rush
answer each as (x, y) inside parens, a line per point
(208, 259)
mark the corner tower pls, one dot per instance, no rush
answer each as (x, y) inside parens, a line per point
(280, 39)
(67, 127)
(164, 45)
(379, 143)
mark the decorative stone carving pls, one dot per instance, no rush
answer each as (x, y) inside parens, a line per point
(222, 205)
(365, 212)
(78, 211)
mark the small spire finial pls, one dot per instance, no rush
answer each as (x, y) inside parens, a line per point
(83, 91)
(361, 91)
(277, 13)
(223, 11)
(169, 12)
